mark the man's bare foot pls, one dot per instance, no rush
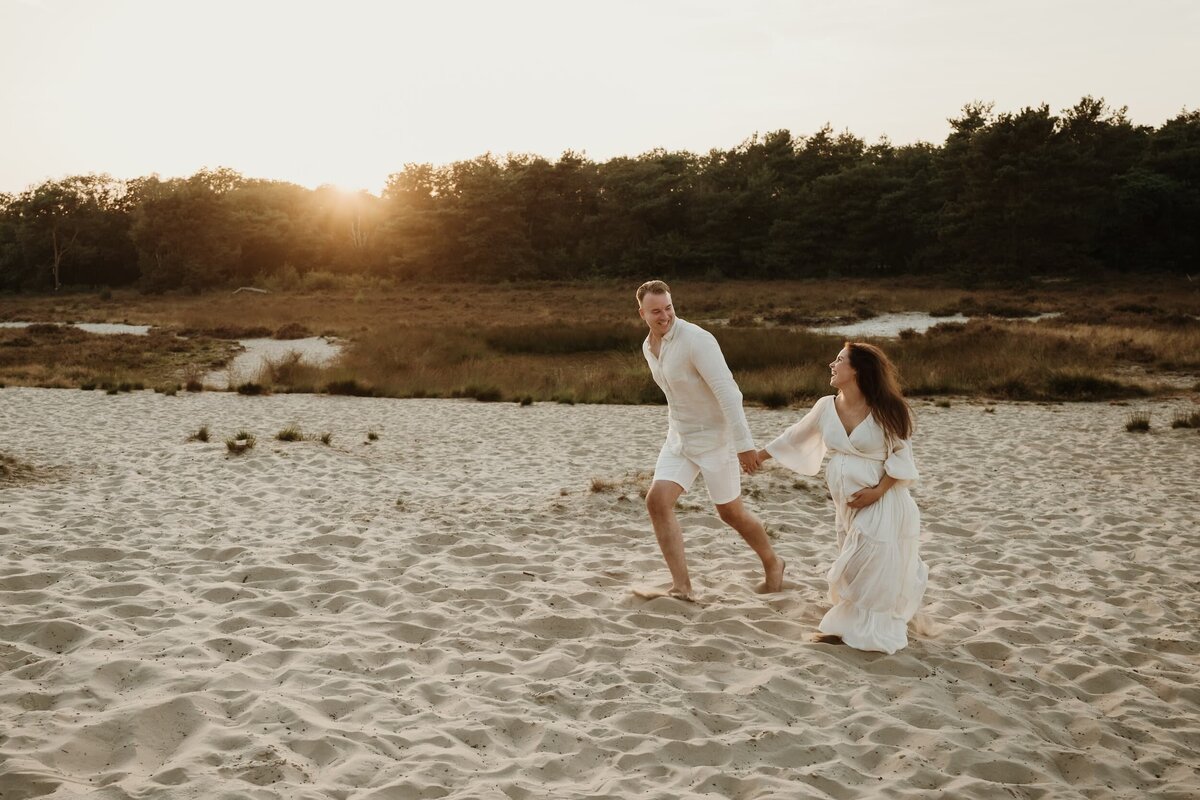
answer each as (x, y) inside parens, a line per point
(774, 581)
(679, 594)
(827, 638)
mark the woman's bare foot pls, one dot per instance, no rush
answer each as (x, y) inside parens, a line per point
(774, 581)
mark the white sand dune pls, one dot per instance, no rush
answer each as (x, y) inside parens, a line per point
(445, 612)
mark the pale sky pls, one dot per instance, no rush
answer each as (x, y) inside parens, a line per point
(347, 92)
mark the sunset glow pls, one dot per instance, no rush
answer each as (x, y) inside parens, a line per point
(347, 93)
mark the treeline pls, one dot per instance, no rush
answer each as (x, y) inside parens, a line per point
(1005, 197)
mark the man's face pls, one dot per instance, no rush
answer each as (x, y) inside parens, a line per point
(658, 313)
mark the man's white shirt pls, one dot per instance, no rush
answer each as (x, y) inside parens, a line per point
(704, 404)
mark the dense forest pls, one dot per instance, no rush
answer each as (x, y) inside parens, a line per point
(1006, 197)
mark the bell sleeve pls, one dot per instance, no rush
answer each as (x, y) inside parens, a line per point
(801, 447)
(900, 463)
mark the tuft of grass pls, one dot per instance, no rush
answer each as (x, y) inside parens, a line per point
(527, 400)
(942, 404)
(289, 434)
(1138, 422)
(372, 436)
(251, 388)
(87, 386)
(327, 438)
(636, 481)
(200, 435)
(599, 485)
(112, 390)
(194, 386)
(241, 442)
(1183, 419)
(990, 410)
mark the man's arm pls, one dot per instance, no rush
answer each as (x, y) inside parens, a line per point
(710, 363)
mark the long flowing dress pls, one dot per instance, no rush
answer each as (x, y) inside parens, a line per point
(878, 579)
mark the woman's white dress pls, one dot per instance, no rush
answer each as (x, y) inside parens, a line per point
(877, 582)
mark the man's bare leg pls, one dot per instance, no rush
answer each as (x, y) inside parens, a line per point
(737, 516)
(660, 502)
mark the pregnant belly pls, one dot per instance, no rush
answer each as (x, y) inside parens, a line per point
(846, 474)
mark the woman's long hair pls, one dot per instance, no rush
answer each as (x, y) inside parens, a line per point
(880, 384)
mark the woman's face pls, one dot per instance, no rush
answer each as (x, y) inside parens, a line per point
(841, 373)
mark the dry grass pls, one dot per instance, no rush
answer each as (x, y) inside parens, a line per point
(637, 482)
(581, 342)
(1137, 422)
(290, 434)
(240, 442)
(1186, 420)
(63, 356)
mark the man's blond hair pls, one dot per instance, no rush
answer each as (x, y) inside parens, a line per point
(652, 287)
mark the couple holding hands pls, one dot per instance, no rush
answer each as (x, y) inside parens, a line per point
(877, 581)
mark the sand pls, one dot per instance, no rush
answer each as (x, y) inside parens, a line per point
(446, 611)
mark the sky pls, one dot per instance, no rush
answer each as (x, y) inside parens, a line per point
(348, 92)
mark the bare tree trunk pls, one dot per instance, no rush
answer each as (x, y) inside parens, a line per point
(59, 252)
(357, 237)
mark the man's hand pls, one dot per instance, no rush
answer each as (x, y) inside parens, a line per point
(864, 497)
(749, 460)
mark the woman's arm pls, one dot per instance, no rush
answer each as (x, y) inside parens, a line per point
(865, 497)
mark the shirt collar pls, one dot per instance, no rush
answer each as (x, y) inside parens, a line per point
(674, 327)
(670, 334)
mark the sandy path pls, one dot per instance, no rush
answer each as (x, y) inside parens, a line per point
(445, 612)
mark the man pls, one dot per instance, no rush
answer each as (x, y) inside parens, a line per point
(706, 425)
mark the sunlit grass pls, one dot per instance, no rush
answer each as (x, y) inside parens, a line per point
(570, 343)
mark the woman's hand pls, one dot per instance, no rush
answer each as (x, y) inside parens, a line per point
(865, 497)
(763, 455)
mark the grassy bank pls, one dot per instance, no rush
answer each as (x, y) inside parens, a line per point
(60, 356)
(581, 342)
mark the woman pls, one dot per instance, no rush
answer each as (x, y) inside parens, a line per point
(878, 579)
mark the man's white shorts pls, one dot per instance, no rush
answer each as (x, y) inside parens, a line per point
(721, 469)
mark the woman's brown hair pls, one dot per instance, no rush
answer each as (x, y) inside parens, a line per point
(880, 384)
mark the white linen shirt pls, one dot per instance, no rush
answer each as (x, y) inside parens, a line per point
(704, 404)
